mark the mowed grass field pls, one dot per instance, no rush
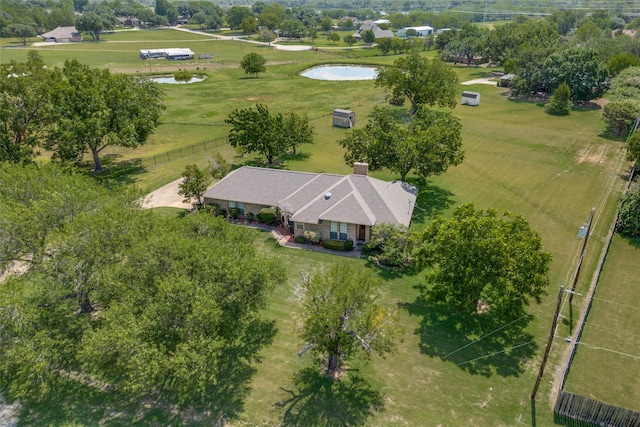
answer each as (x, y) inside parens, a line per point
(550, 169)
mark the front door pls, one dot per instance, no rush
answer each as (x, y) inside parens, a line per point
(362, 232)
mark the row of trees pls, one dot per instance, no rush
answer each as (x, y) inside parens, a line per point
(72, 111)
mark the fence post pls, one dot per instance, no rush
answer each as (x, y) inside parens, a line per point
(549, 342)
(155, 163)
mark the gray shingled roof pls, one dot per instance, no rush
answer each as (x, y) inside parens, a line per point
(356, 199)
(60, 33)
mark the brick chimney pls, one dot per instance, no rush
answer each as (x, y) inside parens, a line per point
(361, 168)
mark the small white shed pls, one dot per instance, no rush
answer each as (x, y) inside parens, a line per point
(344, 118)
(470, 98)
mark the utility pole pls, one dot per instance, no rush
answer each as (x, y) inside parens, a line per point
(548, 349)
(582, 254)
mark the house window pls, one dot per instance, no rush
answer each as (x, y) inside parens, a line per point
(338, 230)
(300, 225)
(238, 205)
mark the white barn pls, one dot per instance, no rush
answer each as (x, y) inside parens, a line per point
(422, 31)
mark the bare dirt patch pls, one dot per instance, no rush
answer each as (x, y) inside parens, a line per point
(592, 154)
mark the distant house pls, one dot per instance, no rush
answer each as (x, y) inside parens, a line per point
(423, 31)
(337, 207)
(355, 21)
(130, 21)
(62, 35)
(382, 22)
(377, 31)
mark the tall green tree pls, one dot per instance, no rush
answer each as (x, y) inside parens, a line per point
(429, 144)
(368, 36)
(99, 109)
(297, 130)
(92, 23)
(480, 262)
(628, 223)
(22, 32)
(341, 316)
(469, 42)
(560, 102)
(619, 116)
(253, 63)
(195, 182)
(423, 81)
(257, 130)
(27, 110)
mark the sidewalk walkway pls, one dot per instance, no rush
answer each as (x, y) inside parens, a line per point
(286, 240)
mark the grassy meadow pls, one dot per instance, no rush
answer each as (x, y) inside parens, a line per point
(552, 170)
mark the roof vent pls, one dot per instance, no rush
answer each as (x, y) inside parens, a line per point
(327, 196)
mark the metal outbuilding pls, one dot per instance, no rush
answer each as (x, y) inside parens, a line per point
(470, 98)
(344, 118)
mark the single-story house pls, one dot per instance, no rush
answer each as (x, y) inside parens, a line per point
(63, 35)
(337, 207)
(377, 31)
(423, 31)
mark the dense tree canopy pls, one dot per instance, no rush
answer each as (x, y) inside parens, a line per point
(581, 69)
(341, 316)
(428, 144)
(480, 262)
(174, 302)
(628, 222)
(424, 81)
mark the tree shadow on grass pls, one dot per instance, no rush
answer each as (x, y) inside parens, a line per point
(299, 156)
(323, 402)
(451, 336)
(117, 173)
(431, 202)
(73, 402)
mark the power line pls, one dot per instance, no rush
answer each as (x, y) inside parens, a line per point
(497, 352)
(633, 356)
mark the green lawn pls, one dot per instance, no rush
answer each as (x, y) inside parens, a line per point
(552, 170)
(611, 336)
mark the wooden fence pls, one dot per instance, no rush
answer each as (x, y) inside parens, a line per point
(577, 411)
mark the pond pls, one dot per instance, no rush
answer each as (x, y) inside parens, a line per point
(172, 80)
(341, 72)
